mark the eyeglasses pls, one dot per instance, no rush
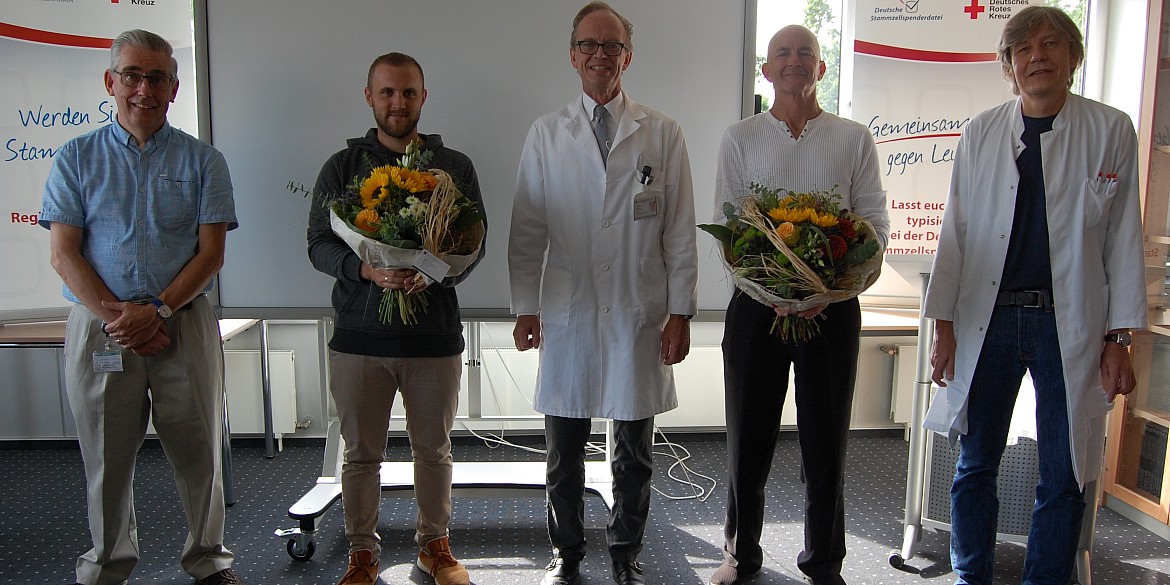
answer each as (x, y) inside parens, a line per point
(134, 79)
(611, 48)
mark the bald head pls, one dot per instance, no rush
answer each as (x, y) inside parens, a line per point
(796, 37)
(794, 66)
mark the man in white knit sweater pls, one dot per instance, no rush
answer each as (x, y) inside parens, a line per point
(798, 146)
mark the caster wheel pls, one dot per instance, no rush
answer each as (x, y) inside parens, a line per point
(896, 560)
(300, 553)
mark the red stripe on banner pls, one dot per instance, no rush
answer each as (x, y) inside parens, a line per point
(879, 50)
(955, 135)
(51, 38)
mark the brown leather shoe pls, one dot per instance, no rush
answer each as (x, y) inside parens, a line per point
(436, 560)
(363, 569)
(224, 577)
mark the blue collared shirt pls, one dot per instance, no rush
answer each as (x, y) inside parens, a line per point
(140, 209)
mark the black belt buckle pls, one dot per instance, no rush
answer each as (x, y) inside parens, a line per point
(1034, 299)
(1026, 299)
(1030, 299)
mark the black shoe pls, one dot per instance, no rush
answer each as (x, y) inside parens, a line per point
(628, 573)
(561, 572)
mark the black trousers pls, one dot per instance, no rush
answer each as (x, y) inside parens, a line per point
(565, 485)
(756, 364)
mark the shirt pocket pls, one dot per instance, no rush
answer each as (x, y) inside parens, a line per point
(176, 204)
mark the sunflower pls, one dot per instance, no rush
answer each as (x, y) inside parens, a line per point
(803, 215)
(375, 188)
(411, 180)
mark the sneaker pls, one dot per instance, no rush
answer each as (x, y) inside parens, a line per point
(224, 577)
(363, 569)
(436, 560)
(729, 575)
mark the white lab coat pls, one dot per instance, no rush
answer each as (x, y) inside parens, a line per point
(1096, 254)
(608, 284)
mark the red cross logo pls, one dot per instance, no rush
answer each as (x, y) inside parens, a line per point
(974, 9)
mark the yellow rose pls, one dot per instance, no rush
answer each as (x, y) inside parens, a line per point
(789, 233)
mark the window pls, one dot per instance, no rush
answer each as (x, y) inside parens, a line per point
(823, 17)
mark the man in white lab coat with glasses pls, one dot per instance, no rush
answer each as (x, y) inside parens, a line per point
(603, 273)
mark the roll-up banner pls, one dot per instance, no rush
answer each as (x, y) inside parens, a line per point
(52, 57)
(921, 69)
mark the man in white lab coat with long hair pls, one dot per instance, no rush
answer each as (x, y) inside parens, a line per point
(1039, 268)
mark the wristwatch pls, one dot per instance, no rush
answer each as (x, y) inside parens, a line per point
(164, 310)
(1124, 339)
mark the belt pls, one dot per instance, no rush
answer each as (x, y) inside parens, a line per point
(1035, 299)
(186, 307)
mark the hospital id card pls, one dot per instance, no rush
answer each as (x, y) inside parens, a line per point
(109, 360)
(645, 205)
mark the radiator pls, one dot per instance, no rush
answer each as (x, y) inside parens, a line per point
(245, 391)
(902, 385)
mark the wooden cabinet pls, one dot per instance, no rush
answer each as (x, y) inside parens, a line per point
(1136, 470)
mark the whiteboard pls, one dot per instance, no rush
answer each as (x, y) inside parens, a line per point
(285, 80)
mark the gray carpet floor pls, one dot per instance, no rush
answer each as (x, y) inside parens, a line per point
(503, 540)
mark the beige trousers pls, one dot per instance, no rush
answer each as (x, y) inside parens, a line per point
(182, 389)
(364, 388)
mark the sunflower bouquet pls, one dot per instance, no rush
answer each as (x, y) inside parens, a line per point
(796, 251)
(406, 216)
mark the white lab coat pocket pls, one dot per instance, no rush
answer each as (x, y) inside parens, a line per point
(1098, 200)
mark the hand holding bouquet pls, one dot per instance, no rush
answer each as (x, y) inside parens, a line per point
(404, 216)
(796, 251)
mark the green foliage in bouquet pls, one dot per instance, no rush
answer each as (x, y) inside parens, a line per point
(795, 251)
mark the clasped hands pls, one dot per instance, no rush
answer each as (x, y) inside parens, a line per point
(137, 327)
(808, 313)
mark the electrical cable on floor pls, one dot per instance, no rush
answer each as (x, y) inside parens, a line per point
(689, 477)
(698, 492)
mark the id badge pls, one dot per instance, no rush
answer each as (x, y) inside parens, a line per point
(645, 205)
(107, 360)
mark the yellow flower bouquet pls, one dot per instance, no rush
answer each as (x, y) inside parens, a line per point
(397, 213)
(796, 251)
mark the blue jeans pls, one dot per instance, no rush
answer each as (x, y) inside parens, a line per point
(1018, 338)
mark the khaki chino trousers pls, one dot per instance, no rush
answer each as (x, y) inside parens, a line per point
(181, 389)
(364, 388)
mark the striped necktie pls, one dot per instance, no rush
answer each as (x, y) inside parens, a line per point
(601, 131)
